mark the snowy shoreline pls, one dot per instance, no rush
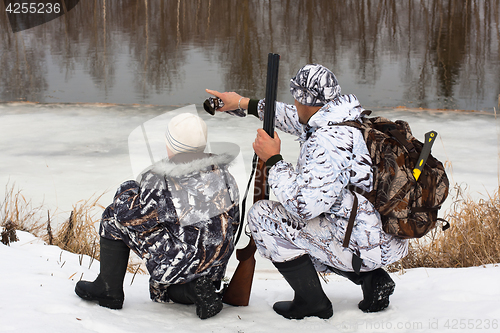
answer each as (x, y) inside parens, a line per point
(37, 286)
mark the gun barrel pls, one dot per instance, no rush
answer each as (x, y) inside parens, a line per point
(239, 289)
(271, 93)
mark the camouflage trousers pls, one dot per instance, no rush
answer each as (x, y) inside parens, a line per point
(164, 265)
(280, 236)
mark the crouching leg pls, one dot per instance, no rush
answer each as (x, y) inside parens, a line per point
(273, 231)
(310, 299)
(201, 292)
(107, 288)
(377, 286)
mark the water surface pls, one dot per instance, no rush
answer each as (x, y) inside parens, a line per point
(417, 53)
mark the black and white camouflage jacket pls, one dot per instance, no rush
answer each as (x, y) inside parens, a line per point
(179, 216)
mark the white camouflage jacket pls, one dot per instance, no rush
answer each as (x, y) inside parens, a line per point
(331, 157)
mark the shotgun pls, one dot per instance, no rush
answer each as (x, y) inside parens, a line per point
(238, 290)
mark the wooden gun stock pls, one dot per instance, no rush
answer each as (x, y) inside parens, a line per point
(238, 291)
(240, 287)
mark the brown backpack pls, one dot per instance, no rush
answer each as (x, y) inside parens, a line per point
(408, 207)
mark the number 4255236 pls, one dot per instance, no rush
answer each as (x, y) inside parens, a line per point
(485, 324)
(33, 8)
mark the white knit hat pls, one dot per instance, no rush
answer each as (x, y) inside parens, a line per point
(186, 133)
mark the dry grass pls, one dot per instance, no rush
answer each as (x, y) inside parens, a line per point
(472, 240)
(18, 213)
(78, 234)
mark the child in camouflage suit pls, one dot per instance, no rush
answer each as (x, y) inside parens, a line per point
(179, 218)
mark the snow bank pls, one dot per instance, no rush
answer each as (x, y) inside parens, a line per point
(37, 295)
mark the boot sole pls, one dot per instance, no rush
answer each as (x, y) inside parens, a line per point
(110, 303)
(208, 302)
(283, 309)
(383, 289)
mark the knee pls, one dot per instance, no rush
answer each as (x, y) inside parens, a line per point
(252, 212)
(256, 212)
(108, 229)
(252, 217)
(263, 215)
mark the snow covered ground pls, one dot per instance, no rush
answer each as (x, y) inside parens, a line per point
(37, 283)
(63, 153)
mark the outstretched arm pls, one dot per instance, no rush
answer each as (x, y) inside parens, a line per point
(286, 115)
(232, 100)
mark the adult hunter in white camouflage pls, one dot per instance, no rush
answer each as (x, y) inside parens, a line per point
(303, 232)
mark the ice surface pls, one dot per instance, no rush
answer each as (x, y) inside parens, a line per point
(60, 154)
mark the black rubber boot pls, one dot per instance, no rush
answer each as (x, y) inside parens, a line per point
(377, 286)
(107, 288)
(178, 293)
(200, 292)
(309, 299)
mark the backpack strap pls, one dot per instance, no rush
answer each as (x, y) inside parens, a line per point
(354, 123)
(356, 259)
(446, 224)
(349, 123)
(350, 224)
(407, 144)
(425, 209)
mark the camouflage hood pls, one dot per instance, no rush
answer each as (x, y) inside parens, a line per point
(343, 108)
